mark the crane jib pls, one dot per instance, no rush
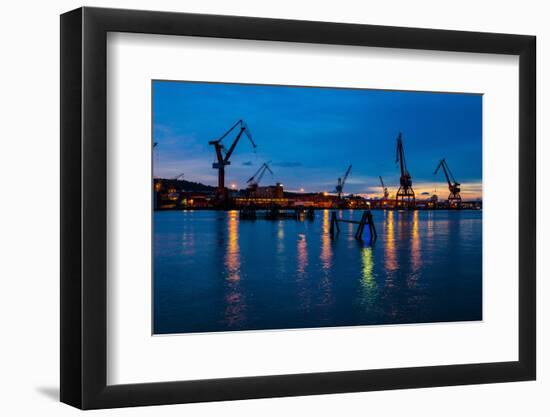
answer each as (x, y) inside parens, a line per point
(222, 156)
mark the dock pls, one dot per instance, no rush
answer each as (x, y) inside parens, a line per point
(366, 220)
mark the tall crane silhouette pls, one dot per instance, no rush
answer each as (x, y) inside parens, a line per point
(342, 182)
(255, 179)
(454, 187)
(384, 188)
(222, 156)
(405, 193)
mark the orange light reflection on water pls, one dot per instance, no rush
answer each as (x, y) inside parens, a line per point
(326, 248)
(390, 256)
(326, 260)
(235, 303)
(233, 256)
(416, 254)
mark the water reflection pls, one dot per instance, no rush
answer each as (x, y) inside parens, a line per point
(351, 232)
(302, 254)
(232, 255)
(390, 255)
(280, 237)
(368, 264)
(416, 255)
(326, 261)
(369, 286)
(302, 263)
(188, 246)
(235, 303)
(281, 274)
(430, 230)
(326, 248)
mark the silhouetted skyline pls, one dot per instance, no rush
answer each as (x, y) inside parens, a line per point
(312, 134)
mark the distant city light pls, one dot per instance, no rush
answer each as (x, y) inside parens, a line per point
(301, 190)
(233, 186)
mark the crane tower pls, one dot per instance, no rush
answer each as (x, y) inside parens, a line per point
(222, 156)
(454, 187)
(255, 179)
(405, 193)
(342, 182)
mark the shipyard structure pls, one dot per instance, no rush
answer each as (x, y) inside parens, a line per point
(171, 194)
(177, 193)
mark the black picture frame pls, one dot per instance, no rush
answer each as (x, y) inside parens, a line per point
(84, 207)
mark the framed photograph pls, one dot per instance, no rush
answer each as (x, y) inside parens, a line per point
(258, 208)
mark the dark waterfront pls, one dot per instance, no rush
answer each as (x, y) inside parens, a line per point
(216, 272)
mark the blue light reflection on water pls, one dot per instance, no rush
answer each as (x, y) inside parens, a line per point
(216, 272)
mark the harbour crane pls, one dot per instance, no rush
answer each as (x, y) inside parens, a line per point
(405, 193)
(255, 179)
(454, 187)
(384, 188)
(178, 177)
(222, 156)
(342, 182)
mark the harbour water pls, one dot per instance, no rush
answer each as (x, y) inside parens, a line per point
(216, 272)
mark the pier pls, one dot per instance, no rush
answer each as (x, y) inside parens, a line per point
(366, 220)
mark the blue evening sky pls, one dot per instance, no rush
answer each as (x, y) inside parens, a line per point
(311, 135)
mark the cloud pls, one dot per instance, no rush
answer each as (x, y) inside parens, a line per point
(287, 164)
(425, 193)
(248, 163)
